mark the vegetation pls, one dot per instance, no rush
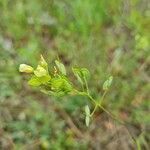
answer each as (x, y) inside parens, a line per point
(58, 84)
(108, 38)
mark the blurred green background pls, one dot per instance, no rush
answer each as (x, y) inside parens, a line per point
(109, 37)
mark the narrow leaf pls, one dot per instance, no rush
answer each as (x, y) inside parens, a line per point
(87, 120)
(87, 117)
(87, 110)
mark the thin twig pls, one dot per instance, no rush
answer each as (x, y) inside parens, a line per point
(93, 110)
(103, 96)
(86, 84)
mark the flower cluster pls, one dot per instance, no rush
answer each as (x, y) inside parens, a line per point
(51, 83)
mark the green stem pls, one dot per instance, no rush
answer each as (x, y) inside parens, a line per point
(138, 145)
(103, 97)
(85, 94)
(92, 99)
(97, 104)
(86, 85)
(111, 115)
(119, 121)
(105, 110)
(82, 87)
(93, 110)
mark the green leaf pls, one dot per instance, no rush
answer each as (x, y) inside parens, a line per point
(34, 81)
(78, 74)
(87, 120)
(37, 81)
(56, 84)
(60, 67)
(107, 83)
(85, 73)
(61, 84)
(82, 75)
(45, 79)
(87, 110)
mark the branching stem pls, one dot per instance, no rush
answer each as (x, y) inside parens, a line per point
(109, 113)
(95, 108)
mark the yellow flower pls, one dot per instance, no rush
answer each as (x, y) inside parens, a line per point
(40, 71)
(25, 68)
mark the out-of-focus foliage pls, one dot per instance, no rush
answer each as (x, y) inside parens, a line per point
(107, 37)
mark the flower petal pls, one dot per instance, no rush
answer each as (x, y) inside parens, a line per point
(25, 68)
(40, 71)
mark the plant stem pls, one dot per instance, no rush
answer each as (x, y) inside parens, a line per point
(103, 96)
(111, 115)
(93, 110)
(91, 98)
(86, 85)
(119, 121)
(85, 94)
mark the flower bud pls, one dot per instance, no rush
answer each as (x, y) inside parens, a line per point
(25, 68)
